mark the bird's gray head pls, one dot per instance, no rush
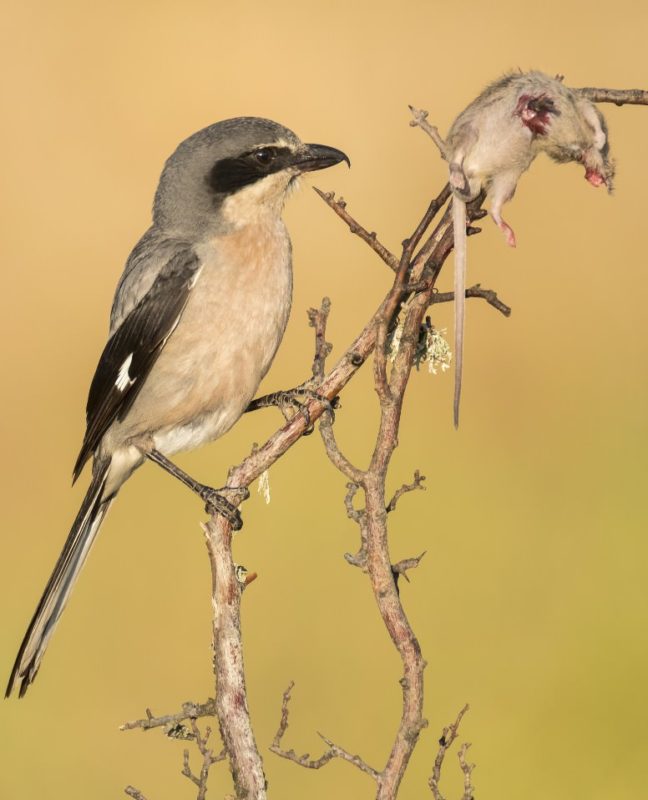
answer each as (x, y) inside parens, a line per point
(231, 174)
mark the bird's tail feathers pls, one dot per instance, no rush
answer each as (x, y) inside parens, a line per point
(56, 594)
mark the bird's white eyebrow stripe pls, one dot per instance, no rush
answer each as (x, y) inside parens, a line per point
(124, 380)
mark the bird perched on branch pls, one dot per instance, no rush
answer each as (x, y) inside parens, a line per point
(197, 318)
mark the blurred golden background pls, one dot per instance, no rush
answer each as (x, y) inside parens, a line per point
(531, 601)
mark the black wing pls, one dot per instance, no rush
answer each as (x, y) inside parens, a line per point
(133, 348)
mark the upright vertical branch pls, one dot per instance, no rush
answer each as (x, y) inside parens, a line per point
(373, 556)
(232, 710)
(391, 392)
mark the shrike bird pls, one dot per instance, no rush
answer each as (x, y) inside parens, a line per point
(198, 314)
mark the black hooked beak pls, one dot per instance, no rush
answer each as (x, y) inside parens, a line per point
(311, 157)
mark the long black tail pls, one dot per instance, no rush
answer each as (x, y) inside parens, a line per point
(56, 594)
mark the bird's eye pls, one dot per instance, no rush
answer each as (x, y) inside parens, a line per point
(264, 156)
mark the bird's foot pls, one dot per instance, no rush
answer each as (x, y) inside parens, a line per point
(215, 503)
(295, 400)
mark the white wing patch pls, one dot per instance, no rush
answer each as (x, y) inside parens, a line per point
(192, 282)
(124, 380)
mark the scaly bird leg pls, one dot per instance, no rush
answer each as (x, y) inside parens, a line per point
(214, 502)
(296, 399)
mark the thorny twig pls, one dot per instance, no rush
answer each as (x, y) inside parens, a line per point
(401, 567)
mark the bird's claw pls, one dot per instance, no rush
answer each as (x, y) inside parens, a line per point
(215, 503)
(297, 399)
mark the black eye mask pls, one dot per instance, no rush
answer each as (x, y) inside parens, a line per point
(231, 174)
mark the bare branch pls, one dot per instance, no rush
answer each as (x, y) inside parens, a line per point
(358, 559)
(337, 457)
(352, 512)
(186, 769)
(467, 769)
(174, 729)
(208, 759)
(131, 791)
(440, 240)
(339, 206)
(190, 710)
(358, 762)
(283, 722)
(419, 120)
(433, 209)
(620, 97)
(476, 291)
(232, 710)
(318, 319)
(445, 742)
(305, 761)
(417, 483)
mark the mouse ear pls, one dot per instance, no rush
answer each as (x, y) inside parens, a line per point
(535, 111)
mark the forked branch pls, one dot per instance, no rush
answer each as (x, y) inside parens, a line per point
(416, 272)
(448, 736)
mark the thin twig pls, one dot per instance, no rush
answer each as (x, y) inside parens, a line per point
(467, 769)
(620, 97)
(334, 751)
(417, 483)
(436, 204)
(488, 295)
(339, 206)
(445, 742)
(352, 512)
(189, 711)
(337, 457)
(339, 752)
(420, 120)
(317, 319)
(131, 791)
(358, 559)
(208, 758)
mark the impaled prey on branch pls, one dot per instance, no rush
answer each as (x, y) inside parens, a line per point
(495, 139)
